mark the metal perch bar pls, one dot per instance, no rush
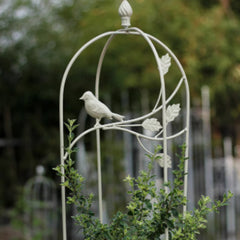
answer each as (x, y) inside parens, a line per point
(104, 127)
(129, 121)
(142, 145)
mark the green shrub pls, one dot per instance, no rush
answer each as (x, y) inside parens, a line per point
(149, 212)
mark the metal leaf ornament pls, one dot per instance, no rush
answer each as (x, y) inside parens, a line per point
(152, 124)
(172, 112)
(160, 160)
(165, 61)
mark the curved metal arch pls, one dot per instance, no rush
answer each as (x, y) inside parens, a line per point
(162, 91)
(61, 125)
(138, 31)
(187, 112)
(147, 37)
(162, 94)
(78, 53)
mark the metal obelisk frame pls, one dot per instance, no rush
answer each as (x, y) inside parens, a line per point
(168, 112)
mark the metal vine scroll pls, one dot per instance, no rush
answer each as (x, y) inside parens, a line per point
(99, 110)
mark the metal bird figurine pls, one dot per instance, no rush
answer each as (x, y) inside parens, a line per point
(97, 109)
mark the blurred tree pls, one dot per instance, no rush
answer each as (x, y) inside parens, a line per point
(205, 40)
(235, 6)
(228, 5)
(29, 74)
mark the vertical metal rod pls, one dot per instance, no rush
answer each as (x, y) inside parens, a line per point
(127, 138)
(164, 120)
(164, 143)
(191, 195)
(185, 191)
(187, 113)
(63, 194)
(99, 175)
(99, 68)
(61, 124)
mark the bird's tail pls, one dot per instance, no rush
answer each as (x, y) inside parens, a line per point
(118, 117)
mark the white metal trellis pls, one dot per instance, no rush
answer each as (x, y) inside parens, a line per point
(169, 112)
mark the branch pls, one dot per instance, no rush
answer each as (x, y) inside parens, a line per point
(142, 145)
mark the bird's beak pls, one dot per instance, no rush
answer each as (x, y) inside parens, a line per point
(81, 98)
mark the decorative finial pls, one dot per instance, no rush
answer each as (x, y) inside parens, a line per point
(125, 11)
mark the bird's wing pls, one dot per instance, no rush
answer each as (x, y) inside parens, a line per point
(97, 109)
(103, 110)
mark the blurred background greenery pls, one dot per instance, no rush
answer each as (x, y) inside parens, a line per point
(38, 38)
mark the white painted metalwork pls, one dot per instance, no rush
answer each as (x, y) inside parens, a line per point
(98, 110)
(125, 11)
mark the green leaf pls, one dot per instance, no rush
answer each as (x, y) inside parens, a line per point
(175, 212)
